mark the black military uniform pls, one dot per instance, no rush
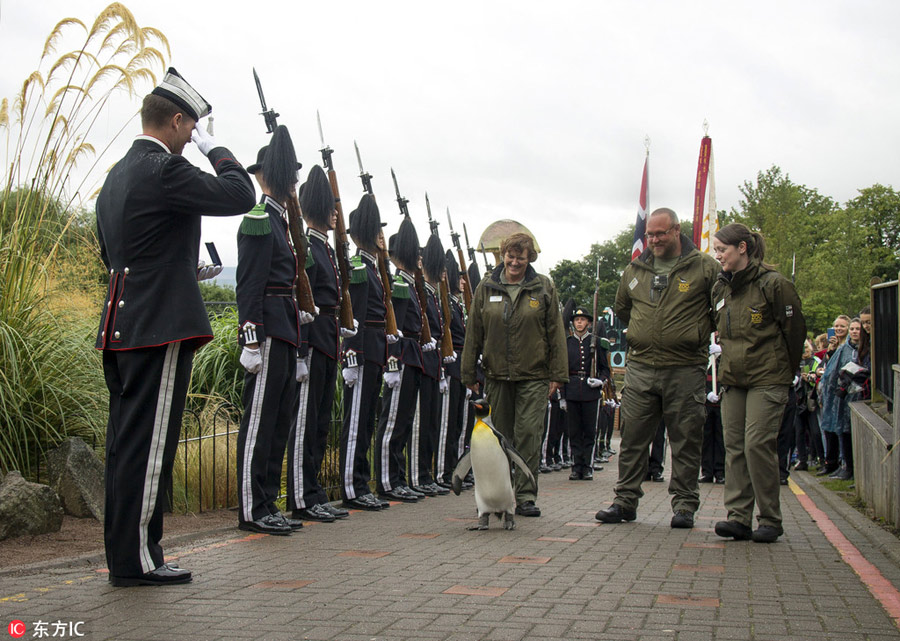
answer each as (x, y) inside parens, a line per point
(367, 352)
(268, 318)
(320, 349)
(582, 399)
(454, 415)
(148, 225)
(398, 404)
(426, 427)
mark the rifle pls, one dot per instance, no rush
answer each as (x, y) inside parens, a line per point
(596, 328)
(446, 337)
(425, 334)
(487, 265)
(390, 320)
(463, 270)
(302, 289)
(341, 244)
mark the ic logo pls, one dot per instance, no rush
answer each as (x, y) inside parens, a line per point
(16, 629)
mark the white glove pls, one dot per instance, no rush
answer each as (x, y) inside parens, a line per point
(203, 139)
(715, 348)
(468, 393)
(205, 272)
(796, 380)
(306, 317)
(251, 359)
(562, 404)
(450, 359)
(429, 346)
(392, 379)
(444, 385)
(351, 375)
(393, 338)
(712, 397)
(302, 370)
(350, 333)
(594, 382)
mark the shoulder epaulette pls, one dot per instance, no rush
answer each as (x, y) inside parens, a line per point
(358, 275)
(400, 288)
(256, 222)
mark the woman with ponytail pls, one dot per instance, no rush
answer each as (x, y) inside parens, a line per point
(761, 330)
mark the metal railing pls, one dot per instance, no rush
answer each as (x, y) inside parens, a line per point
(885, 346)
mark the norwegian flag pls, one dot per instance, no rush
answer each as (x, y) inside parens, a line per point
(640, 224)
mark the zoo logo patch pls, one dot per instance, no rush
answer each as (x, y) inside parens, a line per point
(534, 303)
(683, 285)
(755, 316)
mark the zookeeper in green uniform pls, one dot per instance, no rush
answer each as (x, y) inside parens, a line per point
(664, 298)
(761, 330)
(516, 326)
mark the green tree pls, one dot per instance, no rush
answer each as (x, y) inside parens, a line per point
(578, 279)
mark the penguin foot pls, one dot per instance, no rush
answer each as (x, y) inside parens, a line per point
(509, 521)
(482, 523)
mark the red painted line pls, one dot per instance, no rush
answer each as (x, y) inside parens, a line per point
(872, 578)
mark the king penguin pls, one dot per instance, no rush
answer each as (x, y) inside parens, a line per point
(491, 458)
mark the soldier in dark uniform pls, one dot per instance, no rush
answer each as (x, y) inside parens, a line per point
(426, 429)
(403, 373)
(319, 353)
(454, 415)
(269, 333)
(582, 393)
(148, 225)
(365, 356)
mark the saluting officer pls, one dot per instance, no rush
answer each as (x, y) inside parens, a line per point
(148, 225)
(582, 393)
(365, 356)
(426, 429)
(403, 373)
(269, 332)
(320, 351)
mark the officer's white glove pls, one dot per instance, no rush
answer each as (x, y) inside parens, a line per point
(350, 333)
(306, 317)
(393, 338)
(302, 370)
(351, 375)
(712, 397)
(450, 359)
(205, 272)
(715, 348)
(468, 393)
(594, 382)
(251, 359)
(430, 346)
(796, 380)
(562, 404)
(203, 139)
(392, 379)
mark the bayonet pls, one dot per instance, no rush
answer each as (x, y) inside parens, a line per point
(469, 247)
(401, 201)
(364, 176)
(463, 270)
(432, 223)
(325, 150)
(269, 114)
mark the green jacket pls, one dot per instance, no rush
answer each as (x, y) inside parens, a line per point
(518, 341)
(668, 327)
(761, 327)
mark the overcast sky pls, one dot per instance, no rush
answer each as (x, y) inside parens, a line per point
(533, 111)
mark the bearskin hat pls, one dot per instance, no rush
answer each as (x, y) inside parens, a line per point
(365, 222)
(278, 163)
(404, 245)
(452, 272)
(474, 277)
(316, 199)
(433, 259)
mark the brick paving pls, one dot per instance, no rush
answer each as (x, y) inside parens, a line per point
(415, 572)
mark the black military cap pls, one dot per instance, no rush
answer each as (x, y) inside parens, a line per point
(581, 311)
(176, 89)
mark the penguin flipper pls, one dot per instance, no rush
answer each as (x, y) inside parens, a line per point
(515, 458)
(462, 468)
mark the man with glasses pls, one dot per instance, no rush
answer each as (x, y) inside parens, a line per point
(664, 298)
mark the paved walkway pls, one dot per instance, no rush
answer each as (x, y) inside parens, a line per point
(414, 572)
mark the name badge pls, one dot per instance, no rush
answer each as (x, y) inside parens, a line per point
(720, 304)
(633, 283)
(496, 299)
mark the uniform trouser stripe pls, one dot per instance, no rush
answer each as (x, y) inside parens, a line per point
(442, 439)
(296, 452)
(155, 457)
(390, 425)
(352, 432)
(415, 439)
(256, 411)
